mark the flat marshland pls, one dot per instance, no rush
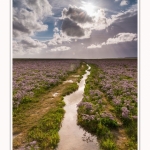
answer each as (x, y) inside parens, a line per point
(107, 110)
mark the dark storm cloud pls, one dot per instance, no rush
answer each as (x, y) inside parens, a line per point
(77, 15)
(71, 28)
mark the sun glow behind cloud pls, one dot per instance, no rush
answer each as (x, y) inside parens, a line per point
(50, 29)
(89, 8)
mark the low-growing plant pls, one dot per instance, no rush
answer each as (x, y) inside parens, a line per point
(109, 122)
(108, 144)
(111, 88)
(45, 130)
(72, 87)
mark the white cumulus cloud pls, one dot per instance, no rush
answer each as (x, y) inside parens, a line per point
(124, 3)
(59, 38)
(27, 45)
(122, 37)
(17, 48)
(119, 38)
(94, 46)
(61, 48)
(31, 43)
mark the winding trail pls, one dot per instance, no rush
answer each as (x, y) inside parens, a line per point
(72, 137)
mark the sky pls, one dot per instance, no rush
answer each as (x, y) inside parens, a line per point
(88, 29)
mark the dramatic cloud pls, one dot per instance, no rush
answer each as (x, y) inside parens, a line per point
(61, 48)
(64, 29)
(124, 3)
(76, 14)
(77, 23)
(27, 19)
(71, 28)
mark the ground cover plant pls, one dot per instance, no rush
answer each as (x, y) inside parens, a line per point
(33, 77)
(36, 122)
(107, 110)
(109, 106)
